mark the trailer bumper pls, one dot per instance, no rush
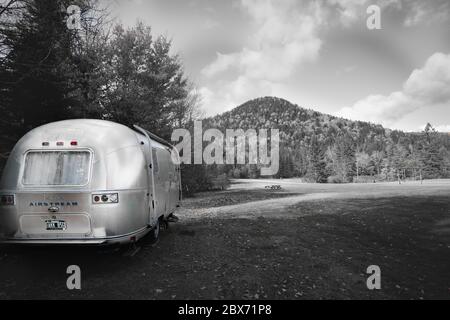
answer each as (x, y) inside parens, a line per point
(122, 239)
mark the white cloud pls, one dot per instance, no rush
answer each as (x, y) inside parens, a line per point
(225, 95)
(416, 11)
(425, 88)
(443, 128)
(285, 37)
(350, 11)
(206, 95)
(222, 63)
(209, 24)
(426, 12)
(288, 34)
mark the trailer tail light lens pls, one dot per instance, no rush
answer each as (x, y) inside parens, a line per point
(60, 144)
(45, 144)
(7, 200)
(74, 143)
(105, 198)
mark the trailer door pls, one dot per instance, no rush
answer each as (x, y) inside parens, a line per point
(159, 173)
(151, 177)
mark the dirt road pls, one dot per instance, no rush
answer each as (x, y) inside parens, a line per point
(304, 242)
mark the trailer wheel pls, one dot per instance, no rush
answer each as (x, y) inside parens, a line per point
(154, 233)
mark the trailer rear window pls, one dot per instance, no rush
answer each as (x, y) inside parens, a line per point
(57, 168)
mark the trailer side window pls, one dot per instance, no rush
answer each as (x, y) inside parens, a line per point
(57, 168)
(155, 161)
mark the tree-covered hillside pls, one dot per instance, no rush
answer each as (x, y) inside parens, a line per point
(325, 148)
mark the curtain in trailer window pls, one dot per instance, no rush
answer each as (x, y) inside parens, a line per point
(57, 168)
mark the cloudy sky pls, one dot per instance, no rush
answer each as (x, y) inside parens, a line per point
(318, 54)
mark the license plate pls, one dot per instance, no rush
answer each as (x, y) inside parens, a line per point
(56, 225)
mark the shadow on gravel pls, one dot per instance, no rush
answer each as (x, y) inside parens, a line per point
(321, 254)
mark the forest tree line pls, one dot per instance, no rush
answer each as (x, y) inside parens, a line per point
(322, 148)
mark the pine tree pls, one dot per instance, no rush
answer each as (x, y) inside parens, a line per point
(147, 81)
(431, 156)
(41, 72)
(317, 165)
(346, 159)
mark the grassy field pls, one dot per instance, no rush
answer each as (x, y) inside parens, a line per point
(303, 242)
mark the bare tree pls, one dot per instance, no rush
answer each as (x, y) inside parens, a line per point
(8, 6)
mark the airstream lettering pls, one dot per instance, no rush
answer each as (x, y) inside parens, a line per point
(87, 182)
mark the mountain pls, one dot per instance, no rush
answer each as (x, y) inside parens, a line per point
(322, 147)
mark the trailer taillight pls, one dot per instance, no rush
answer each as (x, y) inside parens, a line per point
(74, 143)
(45, 144)
(7, 200)
(60, 144)
(105, 198)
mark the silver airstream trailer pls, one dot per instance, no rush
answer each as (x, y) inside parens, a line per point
(87, 182)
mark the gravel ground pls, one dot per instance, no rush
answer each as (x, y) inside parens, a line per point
(291, 244)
